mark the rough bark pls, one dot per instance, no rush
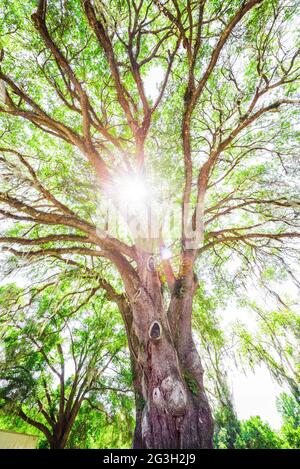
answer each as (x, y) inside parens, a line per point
(64, 426)
(172, 410)
(57, 444)
(60, 436)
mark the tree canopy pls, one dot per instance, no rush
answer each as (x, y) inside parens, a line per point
(149, 149)
(55, 361)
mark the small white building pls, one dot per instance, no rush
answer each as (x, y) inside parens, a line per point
(13, 440)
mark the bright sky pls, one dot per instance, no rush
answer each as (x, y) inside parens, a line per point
(254, 393)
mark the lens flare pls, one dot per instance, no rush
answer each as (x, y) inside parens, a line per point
(133, 192)
(166, 253)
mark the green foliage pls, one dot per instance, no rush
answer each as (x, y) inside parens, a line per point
(50, 353)
(95, 429)
(255, 434)
(140, 402)
(227, 428)
(191, 382)
(289, 408)
(10, 421)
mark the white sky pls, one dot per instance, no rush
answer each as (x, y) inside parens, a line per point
(255, 394)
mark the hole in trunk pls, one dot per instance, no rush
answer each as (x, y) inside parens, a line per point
(155, 331)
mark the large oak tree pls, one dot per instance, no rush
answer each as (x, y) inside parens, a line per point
(79, 126)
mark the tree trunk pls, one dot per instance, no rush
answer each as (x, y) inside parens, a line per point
(57, 443)
(60, 439)
(64, 426)
(172, 410)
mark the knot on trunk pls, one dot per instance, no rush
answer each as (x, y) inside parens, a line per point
(174, 395)
(157, 398)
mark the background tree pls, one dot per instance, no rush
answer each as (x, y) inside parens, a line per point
(253, 433)
(53, 362)
(289, 408)
(257, 434)
(79, 127)
(95, 429)
(275, 343)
